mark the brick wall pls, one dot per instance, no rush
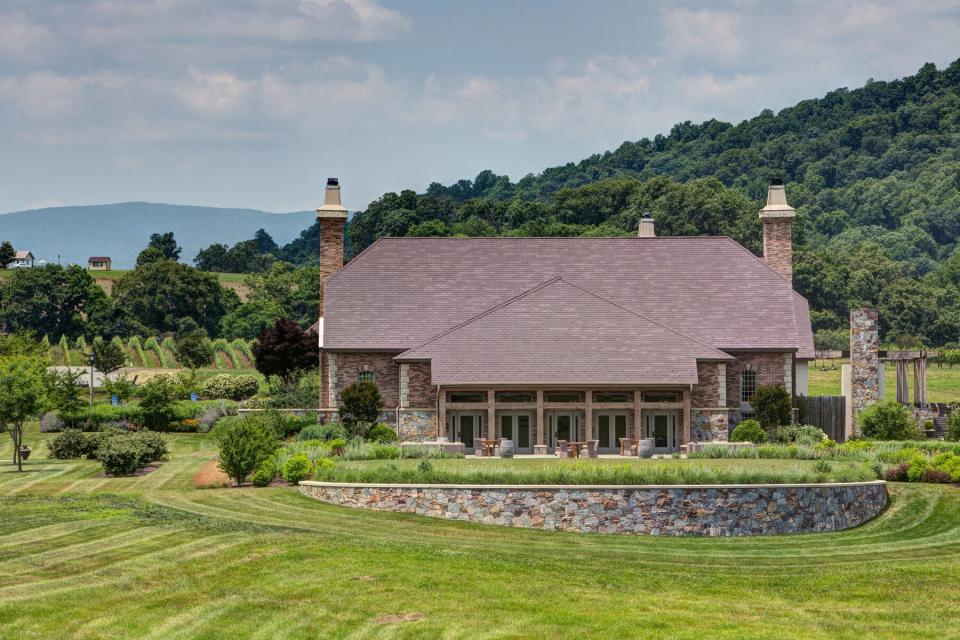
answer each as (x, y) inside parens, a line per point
(331, 250)
(769, 368)
(386, 373)
(705, 392)
(421, 394)
(778, 246)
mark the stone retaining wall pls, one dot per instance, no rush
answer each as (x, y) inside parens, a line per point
(682, 510)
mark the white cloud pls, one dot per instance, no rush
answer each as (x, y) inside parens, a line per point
(23, 38)
(702, 33)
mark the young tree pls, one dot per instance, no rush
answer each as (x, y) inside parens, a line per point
(285, 349)
(191, 346)
(22, 397)
(7, 254)
(773, 406)
(244, 444)
(360, 407)
(107, 356)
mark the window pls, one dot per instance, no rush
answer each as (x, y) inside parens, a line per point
(365, 376)
(467, 396)
(515, 396)
(661, 396)
(748, 385)
(613, 396)
(563, 396)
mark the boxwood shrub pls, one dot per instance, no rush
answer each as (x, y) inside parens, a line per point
(230, 387)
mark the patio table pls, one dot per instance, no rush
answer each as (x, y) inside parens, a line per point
(489, 448)
(575, 448)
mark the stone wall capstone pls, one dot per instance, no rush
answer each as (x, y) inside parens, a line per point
(687, 510)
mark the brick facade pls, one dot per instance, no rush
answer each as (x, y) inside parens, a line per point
(331, 250)
(421, 394)
(769, 369)
(778, 245)
(386, 373)
(706, 393)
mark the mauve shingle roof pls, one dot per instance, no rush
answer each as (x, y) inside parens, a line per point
(559, 333)
(401, 292)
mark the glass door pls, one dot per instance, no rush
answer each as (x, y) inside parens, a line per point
(464, 427)
(611, 427)
(662, 427)
(564, 426)
(516, 427)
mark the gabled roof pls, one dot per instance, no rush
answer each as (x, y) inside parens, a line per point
(560, 333)
(99, 259)
(401, 292)
(23, 255)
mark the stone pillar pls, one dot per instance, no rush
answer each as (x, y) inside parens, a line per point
(332, 379)
(864, 359)
(721, 384)
(540, 448)
(404, 385)
(777, 218)
(637, 417)
(588, 416)
(332, 217)
(442, 413)
(491, 415)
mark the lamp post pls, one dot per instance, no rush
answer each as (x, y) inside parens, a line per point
(90, 361)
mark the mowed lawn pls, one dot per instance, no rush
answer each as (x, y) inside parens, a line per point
(82, 556)
(943, 384)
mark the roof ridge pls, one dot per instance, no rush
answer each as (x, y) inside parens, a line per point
(640, 315)
(480, 315)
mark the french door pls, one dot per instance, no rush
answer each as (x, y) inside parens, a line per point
(564, 426)
(610, 427)
(517, 427)
(464, 426)
(662, 427)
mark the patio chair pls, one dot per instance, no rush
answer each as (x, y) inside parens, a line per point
(478, 447)
(592, 446)
(628, 447)
(561, 449)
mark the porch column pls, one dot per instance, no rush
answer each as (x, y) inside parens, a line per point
(541, 447)
(588, 416)
(442, 413)
(685, 432)
(637, 424)
(491, 415)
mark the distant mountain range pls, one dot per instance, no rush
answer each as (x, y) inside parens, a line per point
(122, 230)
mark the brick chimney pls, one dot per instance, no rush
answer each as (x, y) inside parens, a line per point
(646, 229)
(332, 217)
(777, 218)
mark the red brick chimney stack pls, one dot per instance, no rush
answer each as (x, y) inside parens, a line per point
(777, 218)
(332, 217)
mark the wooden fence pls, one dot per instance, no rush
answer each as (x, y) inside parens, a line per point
(826, 412)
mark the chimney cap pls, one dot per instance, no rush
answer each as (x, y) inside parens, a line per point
(777, 207)
(333, 182)
(776, 182)
(332, 208)
(647, 215)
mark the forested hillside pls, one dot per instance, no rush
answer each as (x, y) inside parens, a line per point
(874, 173)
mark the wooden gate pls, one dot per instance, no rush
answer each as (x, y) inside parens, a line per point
(826, 412)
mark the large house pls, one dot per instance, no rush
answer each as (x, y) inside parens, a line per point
(547, 339)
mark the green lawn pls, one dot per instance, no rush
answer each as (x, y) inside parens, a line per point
(88, 557)
(943, 385)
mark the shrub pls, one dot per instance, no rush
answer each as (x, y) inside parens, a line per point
(154, 445)
(822, 466)
(897, 473)
(223, 386)
(265, 473)
(772, 406)
(810, 435)
(156, 402)
(360, 407)
(936, 475)
(244, 444)
(337, 445)
(915, 468)
(120, 456)
(425, 467)
(51, 422)
(297, 467)
(953, 426)
(948, 462)
(70, 444)
(888, 420)
(749, 431)
(326, 431)
(382, 433)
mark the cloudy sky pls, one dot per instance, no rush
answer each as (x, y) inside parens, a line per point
(252, 103)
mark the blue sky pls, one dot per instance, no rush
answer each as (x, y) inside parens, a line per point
(252, 103)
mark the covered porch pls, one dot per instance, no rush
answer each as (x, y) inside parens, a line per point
(536, 419)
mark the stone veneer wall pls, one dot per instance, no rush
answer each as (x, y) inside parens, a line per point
(864, 358)
(417, 425)
(721, 510)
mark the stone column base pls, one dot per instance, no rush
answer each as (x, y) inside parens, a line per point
(539, 449)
